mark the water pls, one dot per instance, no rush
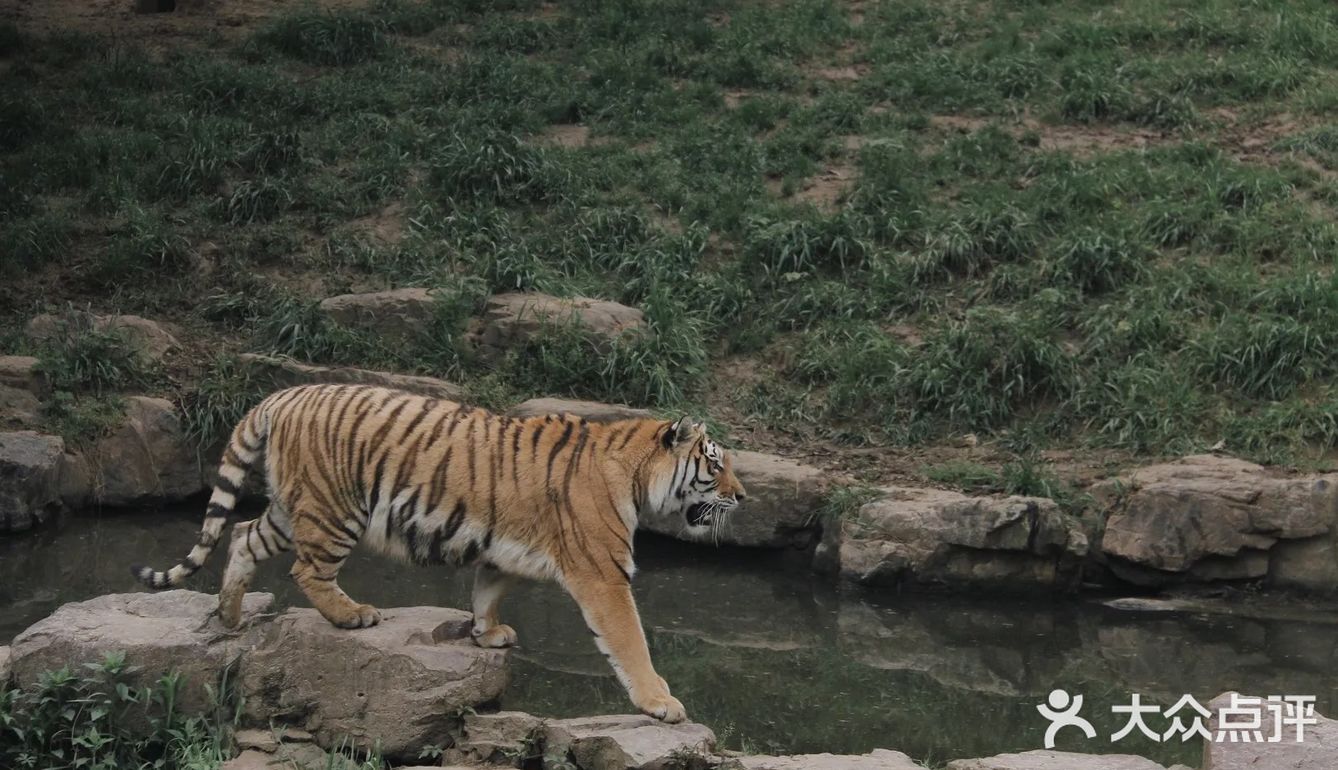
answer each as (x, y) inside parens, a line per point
(772, 658)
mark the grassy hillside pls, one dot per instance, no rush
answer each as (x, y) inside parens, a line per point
(853, 225)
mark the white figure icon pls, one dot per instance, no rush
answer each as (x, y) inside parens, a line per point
(1063, 712)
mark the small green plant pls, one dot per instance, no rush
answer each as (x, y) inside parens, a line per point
(92, 718)
(843, 502)
(223, 396)
(80, 357)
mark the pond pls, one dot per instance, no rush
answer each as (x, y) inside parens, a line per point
(775, 659)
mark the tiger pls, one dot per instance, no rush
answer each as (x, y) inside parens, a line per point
(432, 481)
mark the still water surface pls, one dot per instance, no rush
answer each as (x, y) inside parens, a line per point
(774, 659)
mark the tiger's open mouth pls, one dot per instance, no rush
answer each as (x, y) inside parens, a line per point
(700, 515)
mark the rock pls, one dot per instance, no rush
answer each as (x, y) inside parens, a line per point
(590, 410)
(401, 683)
(933, 536)
(1318, 749)
(1056, 760)
(151, 337)
(159, 633)
(250, 760)
(1209, 518)
(394, 316)
(19, 409)
(624, 741)
(147, 459)
(31, 471)
(285, 372)
(510, 320)
(878, 759)
(498, 737)
(260, 740)
(5, 655)
(22, 373)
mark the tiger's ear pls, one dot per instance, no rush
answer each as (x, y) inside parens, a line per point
(679, 431)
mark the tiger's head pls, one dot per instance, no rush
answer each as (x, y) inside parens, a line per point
(696, 480)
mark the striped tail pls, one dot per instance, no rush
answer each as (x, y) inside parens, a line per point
(248, 439)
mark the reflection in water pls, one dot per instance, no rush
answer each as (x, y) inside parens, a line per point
(772, 658)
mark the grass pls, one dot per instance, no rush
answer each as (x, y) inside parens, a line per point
(1110, 271)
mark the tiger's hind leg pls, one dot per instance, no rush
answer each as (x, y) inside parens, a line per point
(252, 541)
(323, 542)
(490, 585)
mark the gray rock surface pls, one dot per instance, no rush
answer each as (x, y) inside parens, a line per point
(509, 320)
(31, 470)
(1317, 749)
(933, 536)
(159, 633)
(153, 338)
(497, 737)
(395, 315)
(21, 372)
(19, 409)
(1209, 518)
(5, 655)
(147, 459)
(284, 372)
(625, 741)
(400, 683)
(878, 759)
(1056, 760)
(590, 410)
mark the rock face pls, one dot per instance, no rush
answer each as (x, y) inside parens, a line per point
(784, 498)
(878, 759)
(932, 536)
(594, 411)
(396, 315)
(285, 372)
(31, 469)
(1318, 749)
(1208, 518)
(496, 738)
(5, 655)
(148, 458)
(152, 338)
(159, 633)
(623, 742)
(401, 682)
(1056, 760)
(21, 372)
(19, 409)
(509, 320)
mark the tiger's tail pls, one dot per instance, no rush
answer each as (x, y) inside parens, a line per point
(244, 447)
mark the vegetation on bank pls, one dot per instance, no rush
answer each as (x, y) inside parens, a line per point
(1063, 225)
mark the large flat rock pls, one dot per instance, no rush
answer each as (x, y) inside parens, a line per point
(401, 683)
(31, 470)
(396, 315)
(281, 372)
(878, 759)
(622, 742)
(159, 633)
(1056, 760)
(1317, 749)
(594, 411)
(146, 459)
(512, 319)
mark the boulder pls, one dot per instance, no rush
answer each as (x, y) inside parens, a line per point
(147, 459)
(22, 373)
(934, 536)
(510, 320)
(497, 737)
(152, 338)
(621, 742)
(1209, 518)
(284, 372)
(158, 632)
(1317, 749)
(784, 498)
(402, 683)
(1056, 760)
(5, 655)
(31, 470)
(19, 409)
(878, 759)
(594, 411)
(394, 316)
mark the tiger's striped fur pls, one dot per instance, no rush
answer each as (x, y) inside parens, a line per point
(432, 481)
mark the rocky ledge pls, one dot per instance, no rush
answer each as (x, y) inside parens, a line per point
(417, 682)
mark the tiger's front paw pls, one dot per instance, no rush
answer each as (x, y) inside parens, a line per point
(500, 635)
(665, 708)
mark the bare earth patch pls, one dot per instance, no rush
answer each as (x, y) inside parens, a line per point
(565, 135)
(385, 226)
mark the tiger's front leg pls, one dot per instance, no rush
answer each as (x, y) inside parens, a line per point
(490, 584)
(611, 614)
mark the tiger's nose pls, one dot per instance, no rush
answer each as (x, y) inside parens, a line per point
(740, 494)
